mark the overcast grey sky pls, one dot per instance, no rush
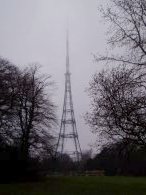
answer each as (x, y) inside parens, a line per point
(35, 31)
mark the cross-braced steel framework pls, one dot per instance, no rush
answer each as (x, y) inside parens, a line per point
(68, 129)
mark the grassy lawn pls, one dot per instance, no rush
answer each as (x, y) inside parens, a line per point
(79, 186)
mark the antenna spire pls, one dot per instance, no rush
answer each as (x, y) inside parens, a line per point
(67, 51)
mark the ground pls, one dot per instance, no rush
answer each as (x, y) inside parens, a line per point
(79, 186)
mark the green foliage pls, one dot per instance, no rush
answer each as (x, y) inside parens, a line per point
(79, 186)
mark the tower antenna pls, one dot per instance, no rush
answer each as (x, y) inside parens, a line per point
(68, 128)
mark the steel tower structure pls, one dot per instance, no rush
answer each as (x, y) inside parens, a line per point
(68, 129)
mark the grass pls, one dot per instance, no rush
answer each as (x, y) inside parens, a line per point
(79, 186)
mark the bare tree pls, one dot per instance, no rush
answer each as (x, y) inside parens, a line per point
(118, 107)
(34, 113)
(127, 19)
(27, 112)
(8, 91)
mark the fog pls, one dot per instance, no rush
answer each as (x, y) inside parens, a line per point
(34, 31)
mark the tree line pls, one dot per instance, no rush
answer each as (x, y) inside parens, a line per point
(27, 114)
(118, 93)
